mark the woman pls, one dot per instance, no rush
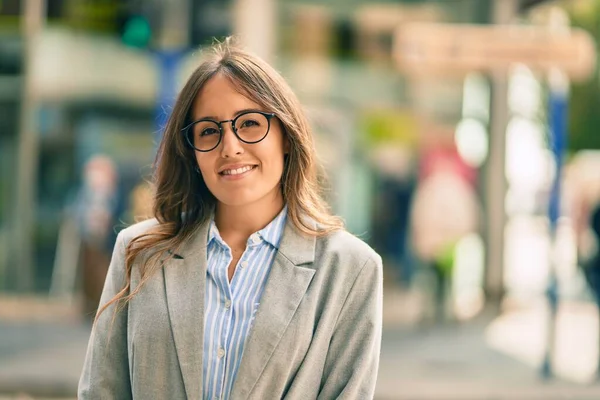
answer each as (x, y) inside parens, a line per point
(243, 286)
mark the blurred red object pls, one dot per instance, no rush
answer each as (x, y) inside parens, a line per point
(447, 159)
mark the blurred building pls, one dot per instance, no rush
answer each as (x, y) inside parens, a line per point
(104, 73)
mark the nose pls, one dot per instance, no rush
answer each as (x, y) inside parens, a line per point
(231, 146)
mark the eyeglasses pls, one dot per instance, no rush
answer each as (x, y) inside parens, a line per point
(250, 127)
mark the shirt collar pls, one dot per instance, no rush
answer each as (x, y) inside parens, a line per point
(213, 232)
(271, 233)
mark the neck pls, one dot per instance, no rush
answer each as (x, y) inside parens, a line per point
(239, 222)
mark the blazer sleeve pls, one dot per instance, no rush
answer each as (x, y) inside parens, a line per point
(105, 372)
(352, 360)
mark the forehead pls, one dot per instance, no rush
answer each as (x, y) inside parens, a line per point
(220, 97)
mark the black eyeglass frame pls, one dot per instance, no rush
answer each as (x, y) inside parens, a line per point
(186, 130)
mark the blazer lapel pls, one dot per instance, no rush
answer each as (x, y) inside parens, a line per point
(284, 290)
(185, 277)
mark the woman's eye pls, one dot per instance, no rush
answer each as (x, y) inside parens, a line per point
(209, 131)
(249, 122)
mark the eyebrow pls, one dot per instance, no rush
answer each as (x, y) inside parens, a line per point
(245, 110)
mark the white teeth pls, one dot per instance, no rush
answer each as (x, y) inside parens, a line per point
(237, 171)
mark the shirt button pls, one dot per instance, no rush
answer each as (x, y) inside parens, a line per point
(244, 264)
(220, 353)
(255, 239)
(228, 304)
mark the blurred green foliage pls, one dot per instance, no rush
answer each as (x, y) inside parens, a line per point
(584, 108)
(388, 127)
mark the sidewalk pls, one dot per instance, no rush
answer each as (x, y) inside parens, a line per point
(42, 345)
(454, 362)
(43, 359)
(490, 358)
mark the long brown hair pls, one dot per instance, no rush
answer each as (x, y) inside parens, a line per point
(182, 201)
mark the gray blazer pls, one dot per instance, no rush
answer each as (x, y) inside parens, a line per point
(316, 334)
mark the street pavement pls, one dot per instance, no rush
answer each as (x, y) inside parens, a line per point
(42, 358)
(455, 362)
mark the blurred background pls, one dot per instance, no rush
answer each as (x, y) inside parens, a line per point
(458, 138)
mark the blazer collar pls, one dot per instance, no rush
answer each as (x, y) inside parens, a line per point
(297, 247)
(185, 280)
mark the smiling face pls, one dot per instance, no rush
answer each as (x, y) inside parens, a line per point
(237, 173)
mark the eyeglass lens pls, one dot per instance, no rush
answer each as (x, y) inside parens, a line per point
(250, 128)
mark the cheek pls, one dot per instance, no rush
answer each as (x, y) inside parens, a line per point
(205, 164)
(272, 154)
(272, 162)
(274, 174)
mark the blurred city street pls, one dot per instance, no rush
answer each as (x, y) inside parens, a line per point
(458, 138)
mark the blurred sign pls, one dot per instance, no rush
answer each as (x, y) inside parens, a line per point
(422, 48)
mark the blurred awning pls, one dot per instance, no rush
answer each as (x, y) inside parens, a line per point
(75, 67)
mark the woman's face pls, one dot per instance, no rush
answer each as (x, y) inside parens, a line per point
(237, 173)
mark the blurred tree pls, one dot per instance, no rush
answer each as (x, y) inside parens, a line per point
(584, 117)
(10, 10)
(97, 16)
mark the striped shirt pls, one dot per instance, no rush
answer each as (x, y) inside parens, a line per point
(230, 307)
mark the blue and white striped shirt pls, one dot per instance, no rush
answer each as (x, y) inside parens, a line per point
(230, 307)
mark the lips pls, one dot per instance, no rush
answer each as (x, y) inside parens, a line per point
(236, 170)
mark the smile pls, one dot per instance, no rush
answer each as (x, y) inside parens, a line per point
(238, 171)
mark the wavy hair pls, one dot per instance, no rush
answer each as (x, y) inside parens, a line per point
(182, 200)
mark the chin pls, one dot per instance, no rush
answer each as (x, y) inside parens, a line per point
(238, 200)
(235, 202)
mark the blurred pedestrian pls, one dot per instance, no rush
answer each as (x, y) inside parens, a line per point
(391, 215)
(444, 210)
(96, 210)
(140, 202)
(244, 285)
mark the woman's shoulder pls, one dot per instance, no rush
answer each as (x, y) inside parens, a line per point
(137, 229)
(347, 248)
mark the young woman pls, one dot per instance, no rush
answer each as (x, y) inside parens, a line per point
(243, 286)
